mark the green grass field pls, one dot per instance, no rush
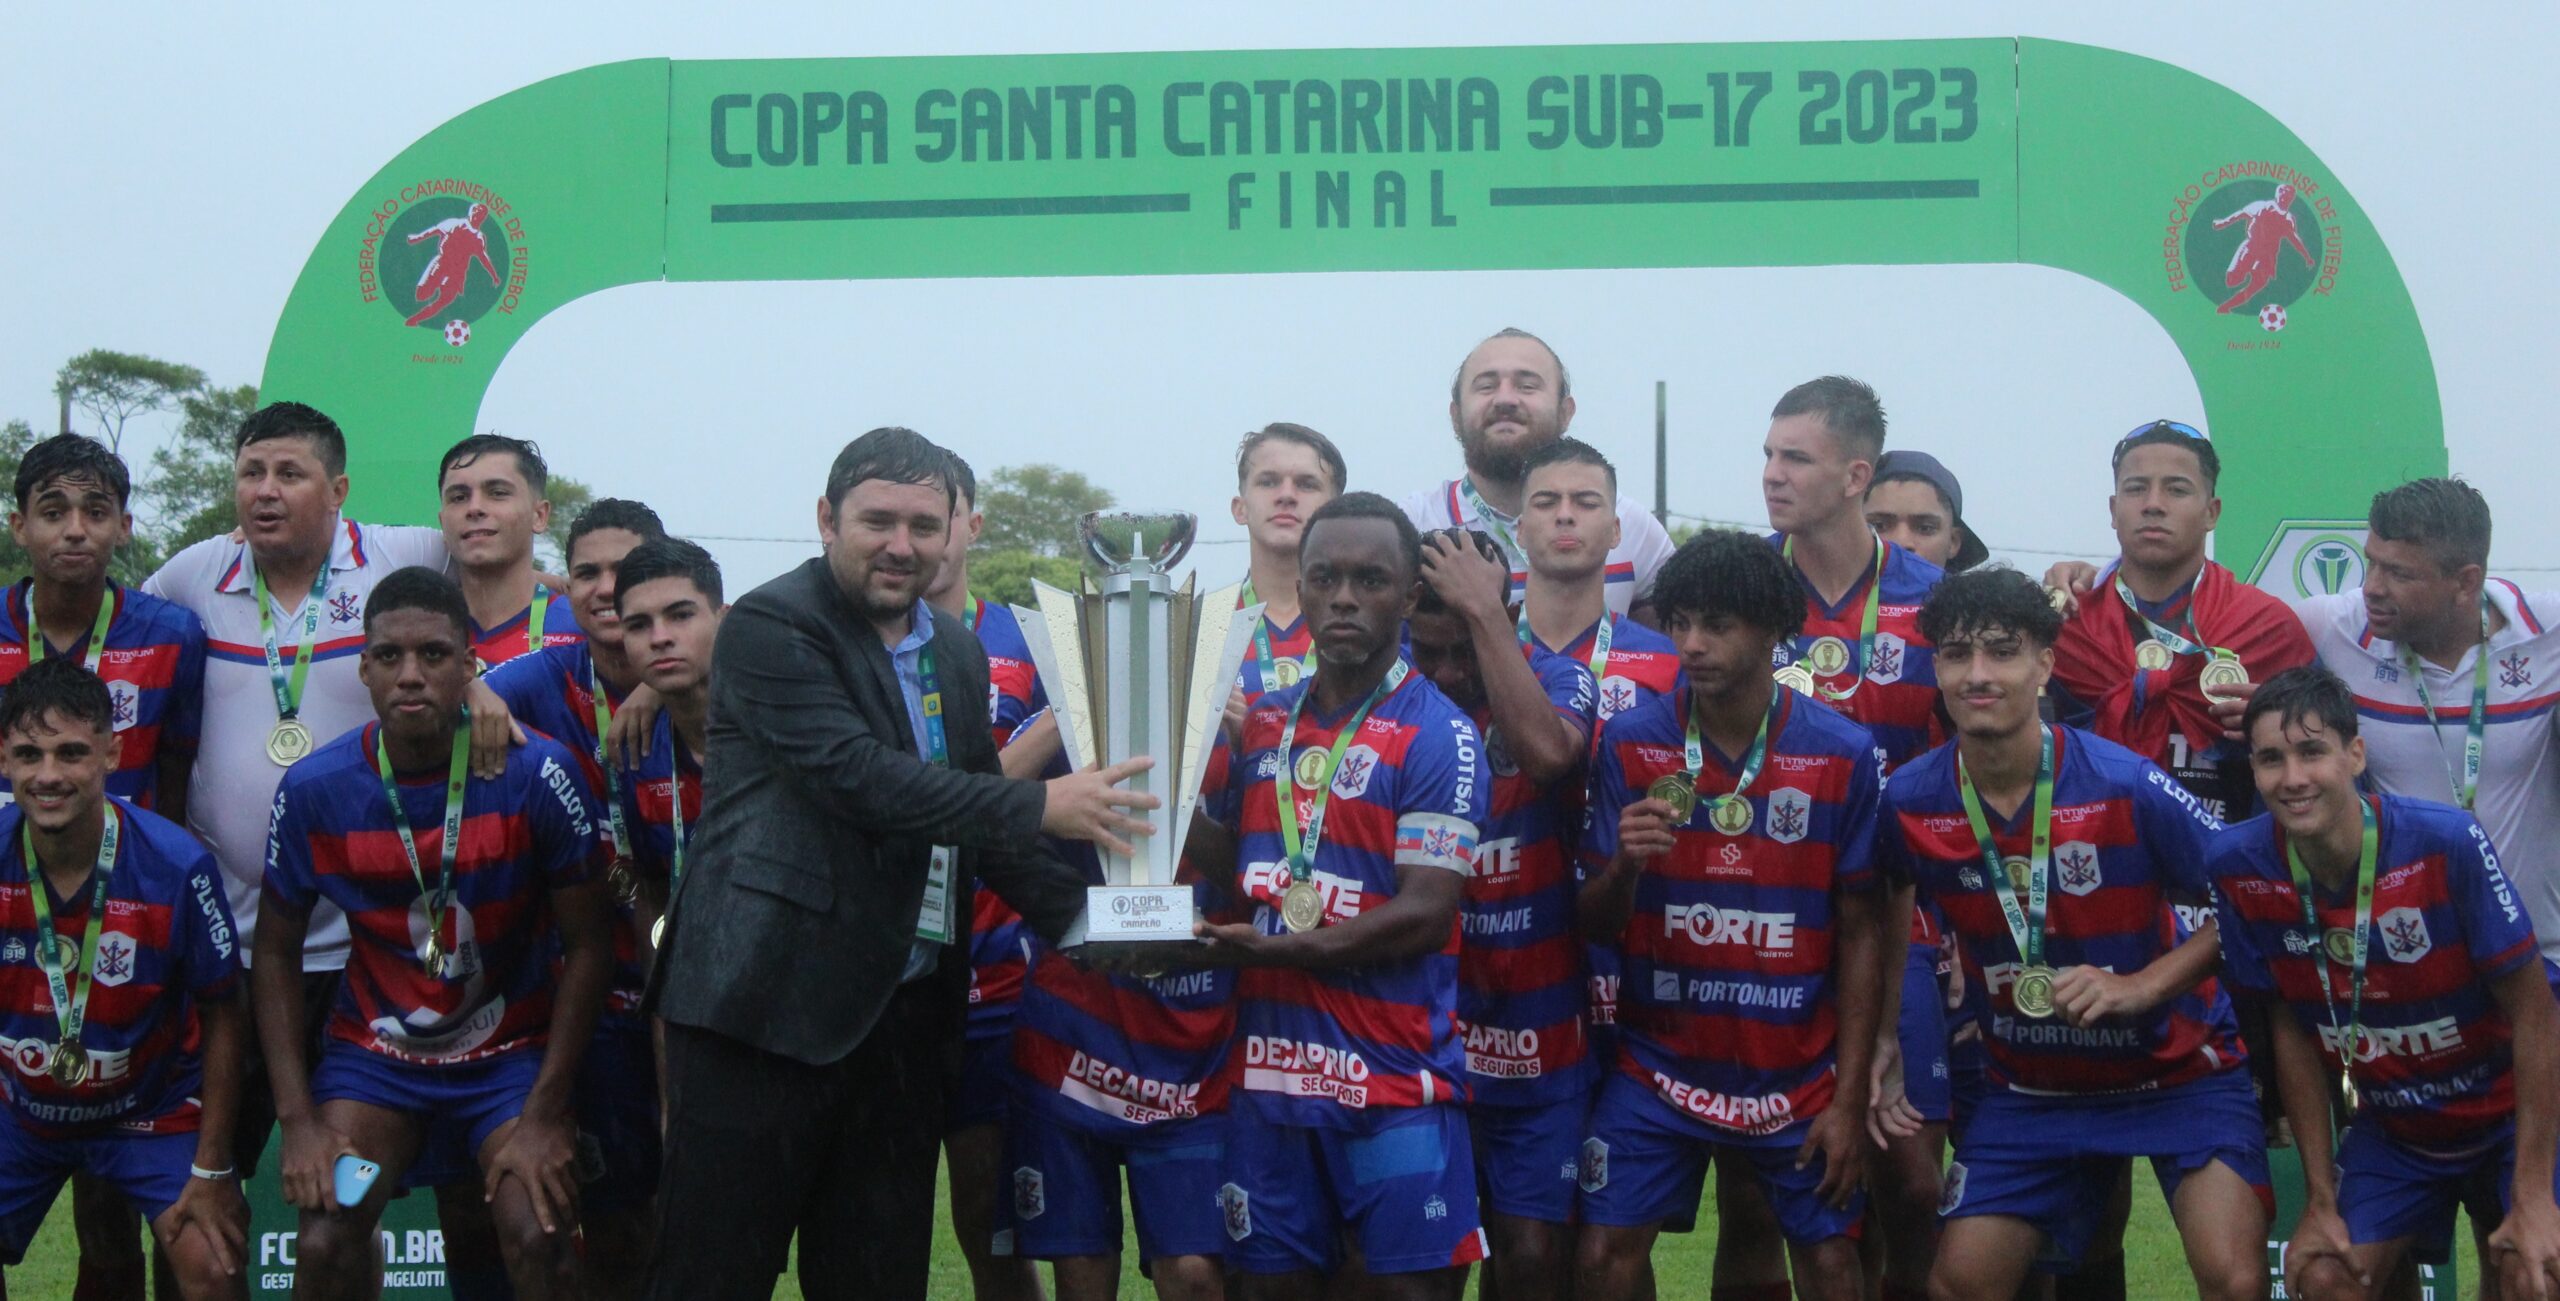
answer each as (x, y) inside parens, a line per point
(2154, 1269)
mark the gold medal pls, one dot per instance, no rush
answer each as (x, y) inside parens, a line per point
(626, 884)
(1796, 677)
(288, 742)
(2341, 943)
(69, 1064)
(1312, 767)
(2153, 655)
(435, 958)
(1301, 907)
(2223, 673)
(658, 933)
(1730, 814)
(2017, 867)
(2060, 597)
(2347, 1088)
(1678, 790)
(2033, 994)
(1286, 673)
(1827, 656)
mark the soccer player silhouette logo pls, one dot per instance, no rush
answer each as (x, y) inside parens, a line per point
(459, 244)
(2253, 265)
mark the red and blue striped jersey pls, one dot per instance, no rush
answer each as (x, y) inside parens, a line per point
(1642, 664)
(2436, 1064)
(1116, 1056)
(514, 638)
(1523, 1001)
(1014, 696)
(531, 831)
(2128, 851)
(153, 665)
(1729, 1010)
(166, 944)
(1898, 700)
(1323, 1048)
(546, 690)
(649, 792)
(1290, 643)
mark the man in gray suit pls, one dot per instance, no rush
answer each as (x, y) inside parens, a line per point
(812, 993)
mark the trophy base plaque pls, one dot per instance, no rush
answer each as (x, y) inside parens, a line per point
(1122, 914)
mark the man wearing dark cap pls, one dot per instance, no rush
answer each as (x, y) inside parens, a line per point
(1915, 503)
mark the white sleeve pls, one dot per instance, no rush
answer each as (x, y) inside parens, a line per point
(1424, 508)
(1646, 543)
(180, 579)
(402, 545)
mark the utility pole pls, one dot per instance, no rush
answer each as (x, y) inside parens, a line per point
(1662, 453)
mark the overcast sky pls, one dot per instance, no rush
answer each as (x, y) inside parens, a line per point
(164, 172)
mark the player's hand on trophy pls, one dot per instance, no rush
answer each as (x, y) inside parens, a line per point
(1086, 806)
(1233, 723)
(2068, 581)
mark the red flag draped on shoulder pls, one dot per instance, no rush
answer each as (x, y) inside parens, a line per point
(2093, 660)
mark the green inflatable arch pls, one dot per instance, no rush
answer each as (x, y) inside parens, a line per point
(2175, 192)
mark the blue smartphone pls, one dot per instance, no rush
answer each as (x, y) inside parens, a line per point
(355, 1177)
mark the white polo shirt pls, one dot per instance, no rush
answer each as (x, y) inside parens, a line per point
(1642, 545)
(2518, 802)
(234, 787)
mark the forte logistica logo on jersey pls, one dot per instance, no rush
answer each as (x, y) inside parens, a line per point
(441, 254)
(2253, 239)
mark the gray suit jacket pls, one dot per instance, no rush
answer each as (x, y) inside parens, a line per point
(802, 880)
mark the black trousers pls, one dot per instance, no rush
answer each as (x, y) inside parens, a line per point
(760, 1147)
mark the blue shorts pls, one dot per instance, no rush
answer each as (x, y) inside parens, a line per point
(2053, 1161)
(2387, 1190)
(1526, 1157)
(1066, 1189)
(461, 1106)
(1923, 1033)
(149, 1169)
(986, 1084)
(617, 1104)
(1403, 1181)
(1641, 1166)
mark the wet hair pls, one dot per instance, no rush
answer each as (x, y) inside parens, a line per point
(1430, 602)
(668, 558)
(1994, 600)
(73, 456)
(962, 478)
(295, 420)
(1327, 455)
(1567, 450)
(529, 462)
(2170, 433)
(896, 454)
(1564, 378)
(59, 688)
(1848, 407)
(614, 513)
(419, 588)
(1726, 573)
(1368, 505)
(2446, 516)
(2306, 692)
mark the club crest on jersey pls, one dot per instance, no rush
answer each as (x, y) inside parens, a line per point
(1499, 755)
(1595, 1165)
(2075, 867)
(1790, 815)
(116, 951)
(126, 702)
(1351, 779)
(1308, 768)
(2403, 932)
(1236, 1207)
(1030, 1193)
(1617, 695)
(1885, 666)
(1953, 1197)
(345, 607)
(15, 951)
(2513, 671)
(1436, 1208)
(1968, 878)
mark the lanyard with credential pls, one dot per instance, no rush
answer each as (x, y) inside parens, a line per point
(69, 1062)
(1266, 664)
(534, 616)
(2357, 943)
(1493, 524)
(441, 900)
(933, 917)
(2173, 642)
(1302, 845)
(1866, 628)
(2033, 992)
(97, 647)
(675, 817)
(290, 740)
(1601, 636)
(1729, 813)
(2475, 735)
(625, 885)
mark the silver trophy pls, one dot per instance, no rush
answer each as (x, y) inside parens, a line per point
(1140, 667)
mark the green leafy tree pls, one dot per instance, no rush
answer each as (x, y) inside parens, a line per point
(568, 497)
(1034, 508)
(187, 497)
(114, 387)
(15, 438)
(1004, 577)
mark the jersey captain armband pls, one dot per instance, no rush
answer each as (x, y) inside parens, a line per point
(1436, 840)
